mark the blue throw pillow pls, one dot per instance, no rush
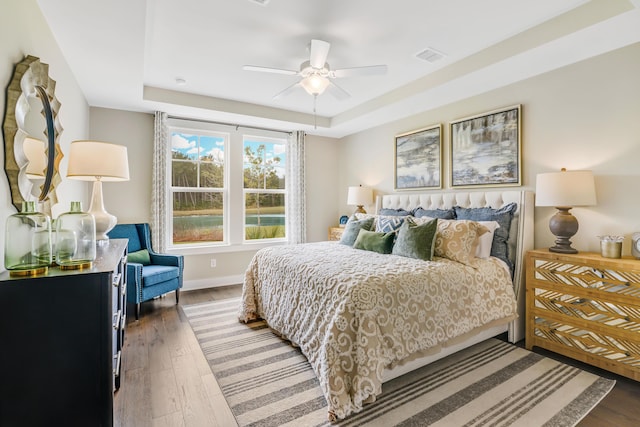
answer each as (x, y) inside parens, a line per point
(388, 224)
(353, 227)
(393, 212)
(434, 213)
(503, 216)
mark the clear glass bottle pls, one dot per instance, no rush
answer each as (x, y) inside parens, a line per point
(75, 238)
(27, 247)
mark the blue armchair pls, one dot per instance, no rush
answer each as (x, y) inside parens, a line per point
(155, 274)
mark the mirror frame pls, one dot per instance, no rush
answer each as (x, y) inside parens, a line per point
(31, 79)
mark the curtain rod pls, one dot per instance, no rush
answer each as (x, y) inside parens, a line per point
(288, 132)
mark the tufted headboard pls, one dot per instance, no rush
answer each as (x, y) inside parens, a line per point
(520, 235)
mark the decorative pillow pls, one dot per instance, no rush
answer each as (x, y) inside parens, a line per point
(353, 227)
(503, 216)
(393, 212)
(388, 224)
(373, 241)
(434, 213)
(416, 241)
(457, 240)
(486, 240)
(141, 257)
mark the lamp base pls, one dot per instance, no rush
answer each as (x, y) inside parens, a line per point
(563, 225)
(104, 220)
(360, 209)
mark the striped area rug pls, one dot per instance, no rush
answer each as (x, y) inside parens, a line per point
(268, 382)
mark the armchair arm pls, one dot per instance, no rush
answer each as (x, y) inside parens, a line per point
(166, 259)
(134, 282)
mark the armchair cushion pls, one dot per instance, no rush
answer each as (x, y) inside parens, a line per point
(154, 274)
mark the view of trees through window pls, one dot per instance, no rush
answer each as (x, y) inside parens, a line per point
(198, 187)
(199, 191)
(264, 189)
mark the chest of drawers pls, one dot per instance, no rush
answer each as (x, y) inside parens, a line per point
(62, 335)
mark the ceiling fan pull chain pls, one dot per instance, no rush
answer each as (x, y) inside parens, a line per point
(315, 98)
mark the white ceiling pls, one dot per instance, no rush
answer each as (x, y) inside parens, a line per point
(127, 54)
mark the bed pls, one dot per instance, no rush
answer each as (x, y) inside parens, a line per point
(363, 318)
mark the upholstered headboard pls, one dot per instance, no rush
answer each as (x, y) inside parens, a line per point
(520, 235)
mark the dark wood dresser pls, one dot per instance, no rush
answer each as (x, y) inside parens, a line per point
(62, 335)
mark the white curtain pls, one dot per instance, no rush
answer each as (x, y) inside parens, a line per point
(296, 193)
(159, 194)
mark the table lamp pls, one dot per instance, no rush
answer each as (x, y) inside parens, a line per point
(565, 190)
(98, 161)
(359, 196)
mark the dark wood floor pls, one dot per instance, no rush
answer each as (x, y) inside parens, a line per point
(167, 381)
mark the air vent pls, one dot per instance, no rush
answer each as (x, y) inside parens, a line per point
(260, 2)
(430, 55)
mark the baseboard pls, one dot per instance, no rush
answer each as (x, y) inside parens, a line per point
(214, 282)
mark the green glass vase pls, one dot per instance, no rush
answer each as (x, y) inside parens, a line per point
(75, 239)
(27, 248)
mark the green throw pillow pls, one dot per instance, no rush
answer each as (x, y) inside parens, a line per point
(375, 241)
(352, 229)
(141, 257)
(416, 241)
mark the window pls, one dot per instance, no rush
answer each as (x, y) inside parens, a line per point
(198, 187)
(228, 187)
(264, 188)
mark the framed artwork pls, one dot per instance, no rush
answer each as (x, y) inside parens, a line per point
(418, 159)
(486, 149)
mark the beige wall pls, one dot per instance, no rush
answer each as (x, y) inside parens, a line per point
(584, 116)
(24, 31)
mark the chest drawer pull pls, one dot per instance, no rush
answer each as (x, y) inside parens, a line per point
(116, 319)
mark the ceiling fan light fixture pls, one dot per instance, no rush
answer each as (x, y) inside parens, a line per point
(314, 84)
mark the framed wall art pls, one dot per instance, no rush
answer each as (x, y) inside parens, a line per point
(486, 149)
(418, 159)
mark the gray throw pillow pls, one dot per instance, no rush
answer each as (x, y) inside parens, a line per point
(374, 241)
(352, 229)
(416, 241)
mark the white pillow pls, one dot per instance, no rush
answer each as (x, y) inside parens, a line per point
(483, 250)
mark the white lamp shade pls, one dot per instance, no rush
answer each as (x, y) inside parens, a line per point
(359, 196)
(34, 149)
(565, 189)
(94, 160)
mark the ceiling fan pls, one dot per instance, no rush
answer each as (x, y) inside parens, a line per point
(316, 75)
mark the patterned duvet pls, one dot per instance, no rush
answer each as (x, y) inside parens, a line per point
(354, 312)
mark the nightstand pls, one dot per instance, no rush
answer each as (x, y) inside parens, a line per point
(586, 307)
(335, 233)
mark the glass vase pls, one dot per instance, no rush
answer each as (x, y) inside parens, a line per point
(75, 239)
(27, 248)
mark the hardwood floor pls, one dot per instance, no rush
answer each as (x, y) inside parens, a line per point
(167, 381)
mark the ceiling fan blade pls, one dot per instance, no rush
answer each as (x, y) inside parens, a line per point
(287, 91)
(337, 91)
(269, 70)
(318, 52)
(371, 70)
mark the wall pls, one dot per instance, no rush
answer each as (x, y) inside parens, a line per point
(24, 31)
(583, 116)
(131, 201)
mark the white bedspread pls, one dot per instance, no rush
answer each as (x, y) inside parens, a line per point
(354, 312)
